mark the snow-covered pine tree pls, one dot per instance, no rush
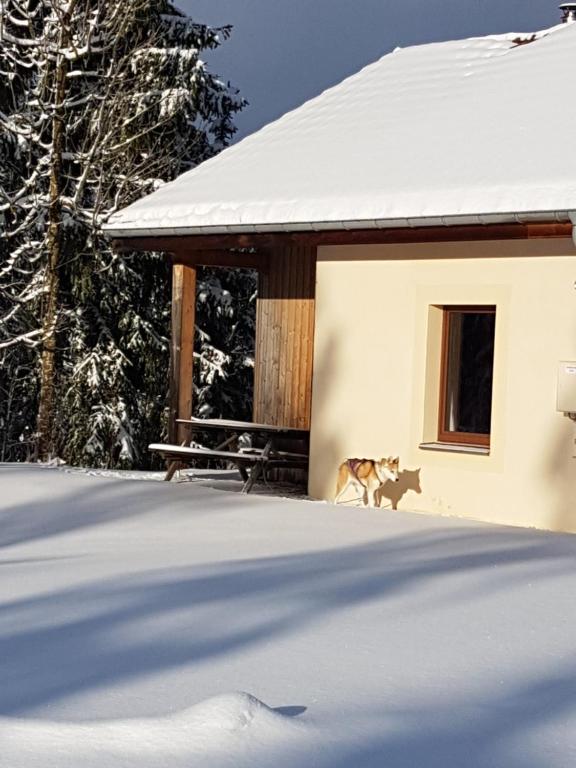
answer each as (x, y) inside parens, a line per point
(224, 346)
(20, 282)
(99, 103)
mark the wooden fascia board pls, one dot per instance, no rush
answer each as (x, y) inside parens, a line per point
(199, 246)
(182, 251)
(220, 258)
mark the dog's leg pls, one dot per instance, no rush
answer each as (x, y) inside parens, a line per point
(341, 482)
(364, 494)
(370, 493)
(374, 492)
(357, 487)
(340, 491)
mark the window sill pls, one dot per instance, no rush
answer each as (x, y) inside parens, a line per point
(481, 450)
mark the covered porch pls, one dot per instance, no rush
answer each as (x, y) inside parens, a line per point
(284, 332)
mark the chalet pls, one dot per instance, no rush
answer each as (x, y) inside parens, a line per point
(413, 228)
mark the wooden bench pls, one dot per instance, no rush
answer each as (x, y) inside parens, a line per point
(253, 459)
(252, 462)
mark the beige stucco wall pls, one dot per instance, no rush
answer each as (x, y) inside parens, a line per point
(376, 367)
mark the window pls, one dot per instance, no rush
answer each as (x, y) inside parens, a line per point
(466, 375)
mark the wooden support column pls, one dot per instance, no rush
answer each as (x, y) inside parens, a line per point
(182, 349)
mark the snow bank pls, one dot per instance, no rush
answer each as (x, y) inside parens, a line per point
(234, 729)
(400, 641)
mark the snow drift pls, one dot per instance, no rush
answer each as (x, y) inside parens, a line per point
(234, 729)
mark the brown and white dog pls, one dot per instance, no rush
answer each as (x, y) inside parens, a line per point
(366, 476)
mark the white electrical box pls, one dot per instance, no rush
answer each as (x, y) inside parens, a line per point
(566, 398)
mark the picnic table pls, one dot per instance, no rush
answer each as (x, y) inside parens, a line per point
(252, 462)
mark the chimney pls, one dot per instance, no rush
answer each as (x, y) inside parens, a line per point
(568, 12)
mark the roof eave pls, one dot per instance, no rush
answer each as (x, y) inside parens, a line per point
(120, 232)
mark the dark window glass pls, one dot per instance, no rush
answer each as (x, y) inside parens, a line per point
(468, 362)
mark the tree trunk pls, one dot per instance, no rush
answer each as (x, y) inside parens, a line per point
(45, 426)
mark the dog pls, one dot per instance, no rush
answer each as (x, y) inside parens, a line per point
(366, 476)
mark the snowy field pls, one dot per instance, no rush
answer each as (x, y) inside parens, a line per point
(134, 613)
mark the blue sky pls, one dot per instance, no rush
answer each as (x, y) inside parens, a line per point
(283, 52)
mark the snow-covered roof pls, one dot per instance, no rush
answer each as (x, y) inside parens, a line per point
(478, 130)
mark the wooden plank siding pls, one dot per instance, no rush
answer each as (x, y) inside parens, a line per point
(285, 338)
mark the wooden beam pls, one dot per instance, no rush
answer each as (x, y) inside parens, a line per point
(221, 258)
(186, 244)
(182, 349)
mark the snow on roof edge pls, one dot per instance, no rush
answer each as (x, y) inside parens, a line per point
(319, 226)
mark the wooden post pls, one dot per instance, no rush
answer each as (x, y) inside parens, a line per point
(182, 349)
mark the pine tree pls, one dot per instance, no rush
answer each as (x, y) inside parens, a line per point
(100, 103)
(224, 371)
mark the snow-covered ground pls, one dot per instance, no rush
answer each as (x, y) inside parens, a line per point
(155, 625)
